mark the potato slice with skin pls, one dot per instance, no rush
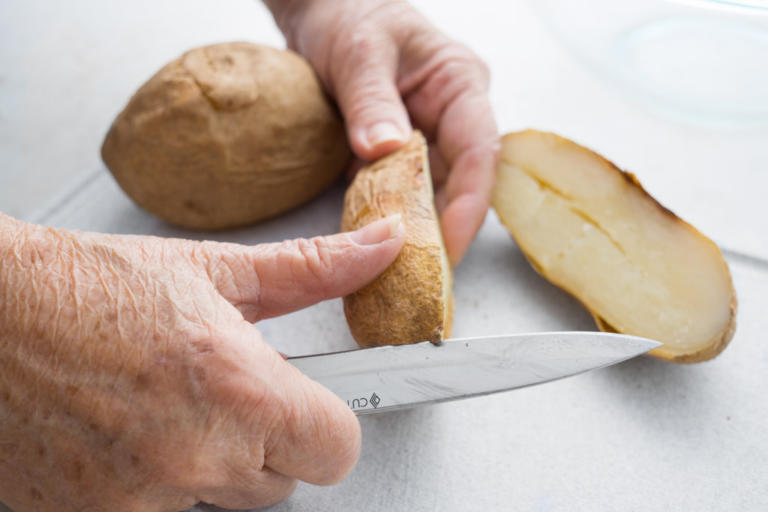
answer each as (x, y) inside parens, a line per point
(592, 230)
(412, 300)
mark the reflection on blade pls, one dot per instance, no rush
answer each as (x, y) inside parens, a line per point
(396, 377)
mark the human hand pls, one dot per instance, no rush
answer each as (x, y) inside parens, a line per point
(383, 62)
(131, 377)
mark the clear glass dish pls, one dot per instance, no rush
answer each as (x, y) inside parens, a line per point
(705, 61)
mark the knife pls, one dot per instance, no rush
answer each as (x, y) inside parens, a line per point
(395, 377)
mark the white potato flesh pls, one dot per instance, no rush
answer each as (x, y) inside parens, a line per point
(593, 231)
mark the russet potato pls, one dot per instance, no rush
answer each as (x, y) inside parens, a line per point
(227, 135)
(592, 230)
(412, 300)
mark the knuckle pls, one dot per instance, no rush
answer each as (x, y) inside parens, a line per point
(364, 106)
(462, 66)
(467, 75)
(360, 45)
(350, 52)
(311, 258)
(483, 70)
(361, 54)
(205, 255)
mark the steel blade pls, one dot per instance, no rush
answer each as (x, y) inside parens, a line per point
(396, 377)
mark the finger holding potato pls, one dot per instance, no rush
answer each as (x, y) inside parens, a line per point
(391, 70)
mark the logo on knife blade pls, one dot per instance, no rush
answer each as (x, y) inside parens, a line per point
(363, 403)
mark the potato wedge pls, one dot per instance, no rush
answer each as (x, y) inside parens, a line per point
(412, 300)
(591, 229)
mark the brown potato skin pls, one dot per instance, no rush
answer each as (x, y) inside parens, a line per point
(406, 303)
(715, 346)
(227, 135)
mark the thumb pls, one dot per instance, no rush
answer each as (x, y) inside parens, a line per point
(364, 85)
(274, 279)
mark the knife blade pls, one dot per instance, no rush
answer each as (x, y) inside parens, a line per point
(395, 377)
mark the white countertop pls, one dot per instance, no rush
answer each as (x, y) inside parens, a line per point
(643, 435)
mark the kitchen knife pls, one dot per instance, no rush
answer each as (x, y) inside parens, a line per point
(400, 376)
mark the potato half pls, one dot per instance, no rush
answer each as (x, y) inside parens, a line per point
(227, 135)
(412, 300)
(592, 230)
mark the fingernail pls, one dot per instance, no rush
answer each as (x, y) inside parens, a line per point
(381, 133)
(378, 231)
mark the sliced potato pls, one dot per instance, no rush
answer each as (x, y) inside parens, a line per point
(592, 230)
(412, 300)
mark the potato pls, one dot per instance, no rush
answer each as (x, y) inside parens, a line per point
(592, 230)
(227, 135)
(412, 300)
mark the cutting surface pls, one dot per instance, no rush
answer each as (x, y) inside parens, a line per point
(643, 435)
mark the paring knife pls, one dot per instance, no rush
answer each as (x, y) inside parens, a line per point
(400, 376)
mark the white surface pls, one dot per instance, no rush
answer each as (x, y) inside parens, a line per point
(641, 436)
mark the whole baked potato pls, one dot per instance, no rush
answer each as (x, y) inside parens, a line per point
(227, 135)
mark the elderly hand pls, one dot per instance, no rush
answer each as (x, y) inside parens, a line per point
(383, 62)
(131, 377)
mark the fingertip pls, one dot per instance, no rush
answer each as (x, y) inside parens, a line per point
(372, 260)
(379, 244)
(455, 246)
(384, 133)
(379, 139)
(456, 251)
(379, 231)
(461, 220)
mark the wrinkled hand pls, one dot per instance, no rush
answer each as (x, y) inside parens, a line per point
(131, 377)
(383, 62)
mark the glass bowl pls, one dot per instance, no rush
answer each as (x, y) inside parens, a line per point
(705, 61)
